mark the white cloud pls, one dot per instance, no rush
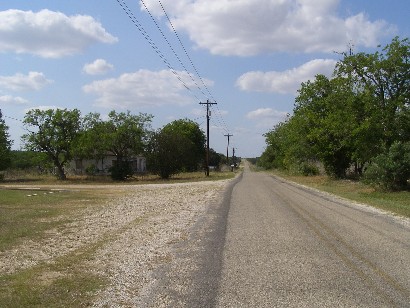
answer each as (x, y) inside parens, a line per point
(49, 34)
(250, 27)
(143, 88)
(12, 100)
(288, 81)
(19, 82)
(98, 67)
(266, 117)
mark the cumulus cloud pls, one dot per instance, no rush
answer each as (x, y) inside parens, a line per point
(12, 100)
(143, 88)
(266, 117)
(245, 28)
(288, 81)
(21, 82)
(49, 34)
(98, 67)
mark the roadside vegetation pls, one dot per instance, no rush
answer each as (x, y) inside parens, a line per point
(396, 202)
(355, 125)
(58, 139)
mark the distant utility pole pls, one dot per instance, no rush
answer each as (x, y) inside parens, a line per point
(227, 154)
(208, 114)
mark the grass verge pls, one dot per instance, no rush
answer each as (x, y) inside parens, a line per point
(395, 202)
(26, 214)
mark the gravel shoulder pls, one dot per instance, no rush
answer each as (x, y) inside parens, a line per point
(137, 236)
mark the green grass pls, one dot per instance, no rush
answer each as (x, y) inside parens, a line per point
(395, 202)
(67, 282)
(28, 214)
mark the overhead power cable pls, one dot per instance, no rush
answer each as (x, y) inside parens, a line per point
(185, 51)
(217, 112)
(147, 37)
(172, 49)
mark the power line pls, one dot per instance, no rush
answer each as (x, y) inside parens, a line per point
(184, 49)
(147, 37)
(172, 49)
(129, 13)
(217, 112)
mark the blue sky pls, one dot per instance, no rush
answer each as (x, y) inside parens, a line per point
(248, 56)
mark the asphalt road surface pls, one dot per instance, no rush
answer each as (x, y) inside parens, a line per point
(276, 244)
(287, 246)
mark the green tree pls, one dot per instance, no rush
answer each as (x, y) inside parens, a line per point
(215, 159)
(29, 160)
(5, 144)
(384, 79)
(194, 147)
(327, 104)
(54, 134)
(391, 170)
(165, 153)
(123, 135)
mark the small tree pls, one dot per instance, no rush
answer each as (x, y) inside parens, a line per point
(56, 130)
(165, 153)
(5, 145)
(194, 142)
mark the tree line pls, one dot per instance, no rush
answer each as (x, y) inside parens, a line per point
(62, 135)
(355, 123)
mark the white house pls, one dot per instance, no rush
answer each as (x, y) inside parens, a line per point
(102, 166)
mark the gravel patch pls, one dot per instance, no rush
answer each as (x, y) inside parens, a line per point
(134, 236)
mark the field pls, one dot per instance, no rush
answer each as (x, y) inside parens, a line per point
(51, 233)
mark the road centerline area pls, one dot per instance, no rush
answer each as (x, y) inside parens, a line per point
(288, 247)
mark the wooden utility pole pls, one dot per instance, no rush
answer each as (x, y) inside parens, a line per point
(208, 114)
(227, 154)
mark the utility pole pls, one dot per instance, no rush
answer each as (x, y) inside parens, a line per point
(208, 114)
(227, 154)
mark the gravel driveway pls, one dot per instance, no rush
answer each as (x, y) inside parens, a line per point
(136, 236)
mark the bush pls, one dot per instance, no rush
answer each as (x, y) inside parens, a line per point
(91, 170)
(308, 169)
(390, 170)
(121, 171)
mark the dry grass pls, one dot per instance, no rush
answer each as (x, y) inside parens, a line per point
(395, 202)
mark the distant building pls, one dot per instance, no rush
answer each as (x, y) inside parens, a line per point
(102, 166)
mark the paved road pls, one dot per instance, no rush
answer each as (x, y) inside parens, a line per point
(287, 246)
(270, 243)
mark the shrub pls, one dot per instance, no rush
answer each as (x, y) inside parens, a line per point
(121, 171)
(390, 170)
(308, 169)
(91, 170)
